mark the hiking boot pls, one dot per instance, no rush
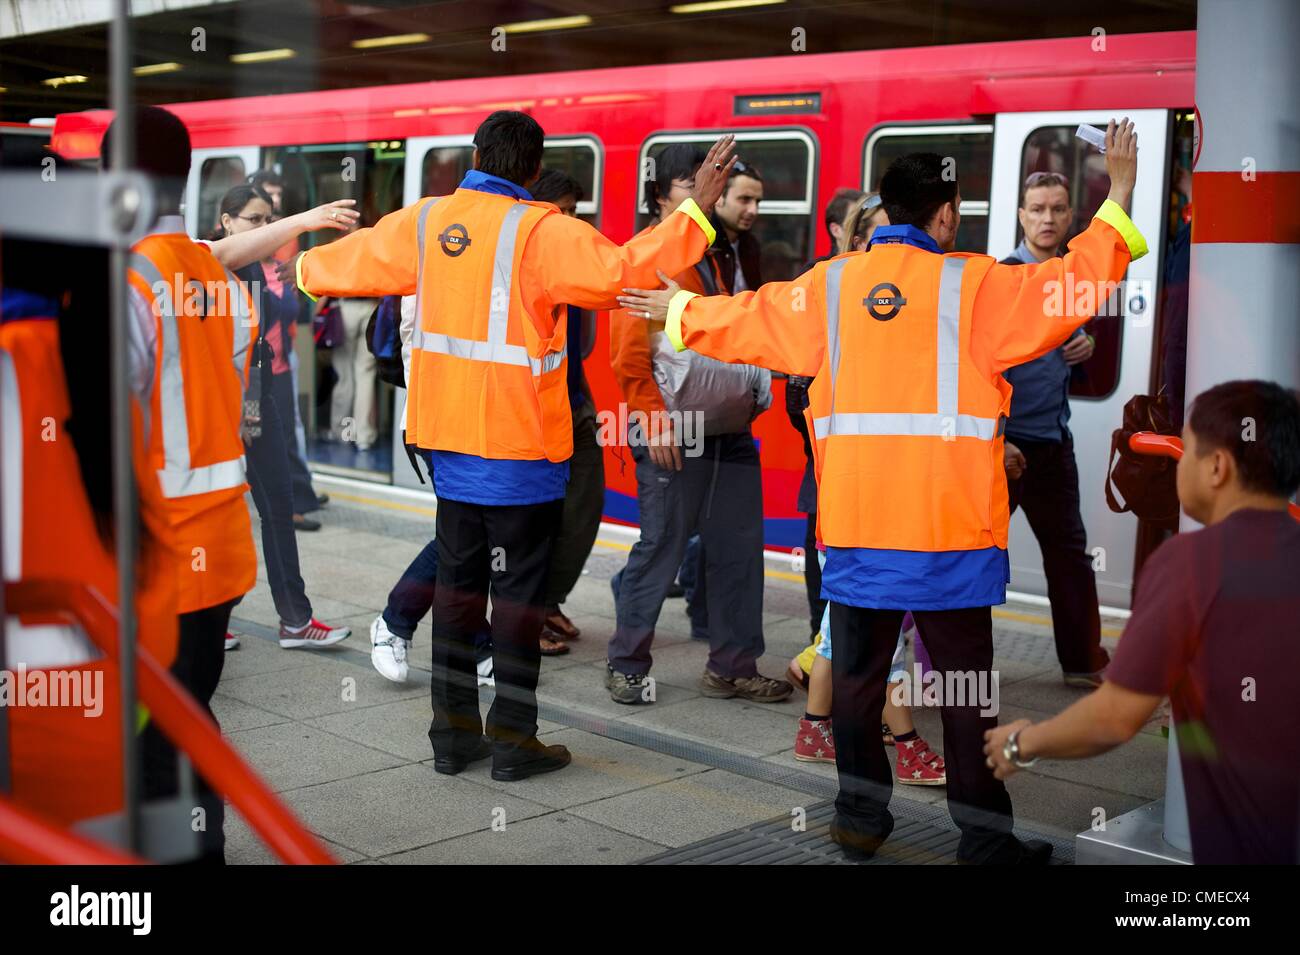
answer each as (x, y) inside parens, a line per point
(756, 688)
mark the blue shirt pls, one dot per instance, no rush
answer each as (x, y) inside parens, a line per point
(914, 580)
(496, 481)
(1040, 401)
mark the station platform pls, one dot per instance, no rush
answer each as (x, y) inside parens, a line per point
(685, 780)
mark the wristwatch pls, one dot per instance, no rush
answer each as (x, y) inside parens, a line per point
(1011, 752)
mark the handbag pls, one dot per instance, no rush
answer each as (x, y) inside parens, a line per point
(1148, 484)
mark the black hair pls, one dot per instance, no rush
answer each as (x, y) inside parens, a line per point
(914, 187)
(509, 145)
(162, 150)
(678, 161)
(555, 184)
(237, 197)
(742, 168)
(1258, 423)
(837, 209)
(266, 177)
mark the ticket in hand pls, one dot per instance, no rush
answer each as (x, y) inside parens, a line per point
(1093, 136)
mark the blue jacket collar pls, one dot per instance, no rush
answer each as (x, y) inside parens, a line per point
(1023, 254)
(483, 182)
(907, 235)
(17, 303)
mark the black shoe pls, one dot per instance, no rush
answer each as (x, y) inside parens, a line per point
(676, 590)
(857, 844)
(530, 760)
(1013, 851)
(301, 523)
(451, 765)
(322, 500)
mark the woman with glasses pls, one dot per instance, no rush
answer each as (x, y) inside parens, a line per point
(244, 208)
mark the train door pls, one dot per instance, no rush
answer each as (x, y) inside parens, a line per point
(435, 165)
(1025, 143)
(212, 172)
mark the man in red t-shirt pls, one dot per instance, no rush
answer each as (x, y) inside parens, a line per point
(1216, 628)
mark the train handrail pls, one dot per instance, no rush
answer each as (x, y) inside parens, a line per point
(1171, 446)
(28, 839)
(180, 718)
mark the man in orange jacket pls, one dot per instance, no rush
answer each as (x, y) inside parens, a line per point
(493, 272)
(908, 411)
(191, 327)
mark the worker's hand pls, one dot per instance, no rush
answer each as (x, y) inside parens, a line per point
(1077, 349)
(711, 178)
(651, 304)
(1014, 461)
(994, 740)
(338, 214)
(1121, 161)
(662, 446)
(287, 271)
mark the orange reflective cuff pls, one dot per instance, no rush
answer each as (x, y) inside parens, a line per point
(690, 208)
(1114, 216)
(673, 327)
(297, 277)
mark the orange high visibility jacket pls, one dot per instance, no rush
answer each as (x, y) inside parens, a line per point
(909, 403)
(66, 760)
(206, 321)
(492, 276)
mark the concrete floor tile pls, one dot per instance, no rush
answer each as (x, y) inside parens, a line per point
(295, 755)
(555, 839)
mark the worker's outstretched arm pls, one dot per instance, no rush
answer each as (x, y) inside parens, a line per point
(236, 251)
(1023, 311)
(780, 326)
(382, 260)
(576, 265)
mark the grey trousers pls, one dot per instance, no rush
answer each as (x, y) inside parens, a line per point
(719, 495)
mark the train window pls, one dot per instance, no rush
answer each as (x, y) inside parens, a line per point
(1056, 149)
(970, 146)
(371, 173)
(216, 176)
(443, 169)
(787, 161)
(580, 157)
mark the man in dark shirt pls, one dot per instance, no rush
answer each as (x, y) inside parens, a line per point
(1216, 628)
(1042, 476)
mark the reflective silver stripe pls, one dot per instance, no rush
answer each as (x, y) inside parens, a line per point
(418, 333)
(175, 422)
(503, 268)
(221, 476)
(833, 320)
(11, 469)
(889, 424)
(241, 317)
(496, 348)
(947, 355)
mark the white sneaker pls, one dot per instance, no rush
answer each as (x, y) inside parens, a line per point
(232, 641)
(485, 676)
(388, 651)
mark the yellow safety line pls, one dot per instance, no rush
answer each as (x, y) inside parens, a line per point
(1041, 620)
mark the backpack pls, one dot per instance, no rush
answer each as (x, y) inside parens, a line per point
(1147, 483)
(384, 339)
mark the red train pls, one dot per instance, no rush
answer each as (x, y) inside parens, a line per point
(811, 123)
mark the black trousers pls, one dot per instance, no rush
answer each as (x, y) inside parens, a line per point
(505, 551)
(957, 640)
(200, 656)
(1049, 493)
(583, 502)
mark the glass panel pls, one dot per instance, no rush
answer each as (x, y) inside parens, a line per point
(972, 151)
(786, 237)
(579, 161)
(215, 178)
(443, 169)
(1056, 149)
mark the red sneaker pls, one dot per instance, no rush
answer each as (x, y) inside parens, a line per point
(919, 765)
(315, 634)
(814, 742)
(232, 641)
